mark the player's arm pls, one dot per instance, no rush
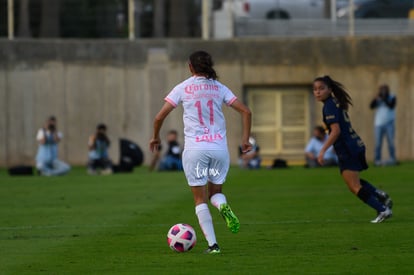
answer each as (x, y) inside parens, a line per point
(158, 121)
(333, 136)
(246, 122)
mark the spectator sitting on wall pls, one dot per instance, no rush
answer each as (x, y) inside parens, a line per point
(172, 159)
(47, 161)
(99, 162)
(315, 145)
(252, 158)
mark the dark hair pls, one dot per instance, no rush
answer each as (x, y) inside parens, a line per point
(384, 90)
(101, 126)
(101, 135)
(338, 91)
(320, 129)
(173, 132)
(202, 63)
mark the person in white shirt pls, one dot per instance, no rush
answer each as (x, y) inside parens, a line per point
(47, 162)
(384, 123)
(314, 147)
(205, 158)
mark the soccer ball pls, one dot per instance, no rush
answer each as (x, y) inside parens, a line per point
(181, 237)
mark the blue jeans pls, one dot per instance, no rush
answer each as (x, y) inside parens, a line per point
(387, 130)
(54, 168)
(170, 163)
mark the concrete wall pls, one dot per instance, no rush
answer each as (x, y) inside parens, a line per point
(123, 83)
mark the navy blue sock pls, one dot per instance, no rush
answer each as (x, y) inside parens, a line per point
(369, 186)
(380, 195)
(374, 203)
(367, 197)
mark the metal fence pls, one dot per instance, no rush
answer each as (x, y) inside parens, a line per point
(323, 27)
(100, 18)
(145, 18)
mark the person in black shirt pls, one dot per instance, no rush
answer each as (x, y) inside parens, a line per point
(172, 158)
(251, 159)
(349, 147)
(98, 144)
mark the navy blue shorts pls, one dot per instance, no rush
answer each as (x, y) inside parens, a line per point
(352, 162)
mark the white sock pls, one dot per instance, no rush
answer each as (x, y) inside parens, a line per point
(206, 223)
(218, 199)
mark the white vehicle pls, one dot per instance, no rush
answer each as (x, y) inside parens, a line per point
(276, 9)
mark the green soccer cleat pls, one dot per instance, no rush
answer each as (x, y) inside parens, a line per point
(231, 220)
(214, 249)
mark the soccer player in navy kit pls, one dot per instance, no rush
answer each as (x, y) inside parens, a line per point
(348, 145)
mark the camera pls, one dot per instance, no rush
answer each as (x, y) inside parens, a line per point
(101, 136)
(51, 127)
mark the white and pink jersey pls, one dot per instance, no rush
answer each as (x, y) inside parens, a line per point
(204, 123)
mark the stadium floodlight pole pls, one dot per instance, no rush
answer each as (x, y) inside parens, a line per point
(351, 22)
(10, 19)
(131, 19)
(205, 28)
(333, 11)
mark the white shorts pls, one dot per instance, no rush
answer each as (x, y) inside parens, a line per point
(205, 166)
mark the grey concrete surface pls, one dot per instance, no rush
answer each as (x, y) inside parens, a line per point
(123, 83)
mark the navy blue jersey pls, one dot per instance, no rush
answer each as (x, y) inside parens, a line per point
(348, 142)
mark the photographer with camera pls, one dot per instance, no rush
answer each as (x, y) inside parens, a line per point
(99, 162)
(171, 161)
(47, 161)
(384, 123)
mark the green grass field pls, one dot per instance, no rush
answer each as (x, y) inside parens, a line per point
(293, 221)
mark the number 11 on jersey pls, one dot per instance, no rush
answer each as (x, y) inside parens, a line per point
(200, 111)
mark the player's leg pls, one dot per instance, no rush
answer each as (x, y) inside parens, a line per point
(360, 163)
(215, 193)
(381, 195)
(204, 217)
(365, 194)
(218, 199)
(194, 163)
(218, 169)
(203, 213)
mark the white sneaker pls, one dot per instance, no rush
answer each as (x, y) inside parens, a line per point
(92, 172)
(378, 163)
(382, 216)
(107, 171)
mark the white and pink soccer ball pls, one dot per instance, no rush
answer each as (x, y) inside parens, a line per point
(181, 237)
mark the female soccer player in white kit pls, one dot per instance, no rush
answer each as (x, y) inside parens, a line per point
(206, 158)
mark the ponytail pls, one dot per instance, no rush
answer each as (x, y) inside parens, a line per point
(202, 63)
(338, 91)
